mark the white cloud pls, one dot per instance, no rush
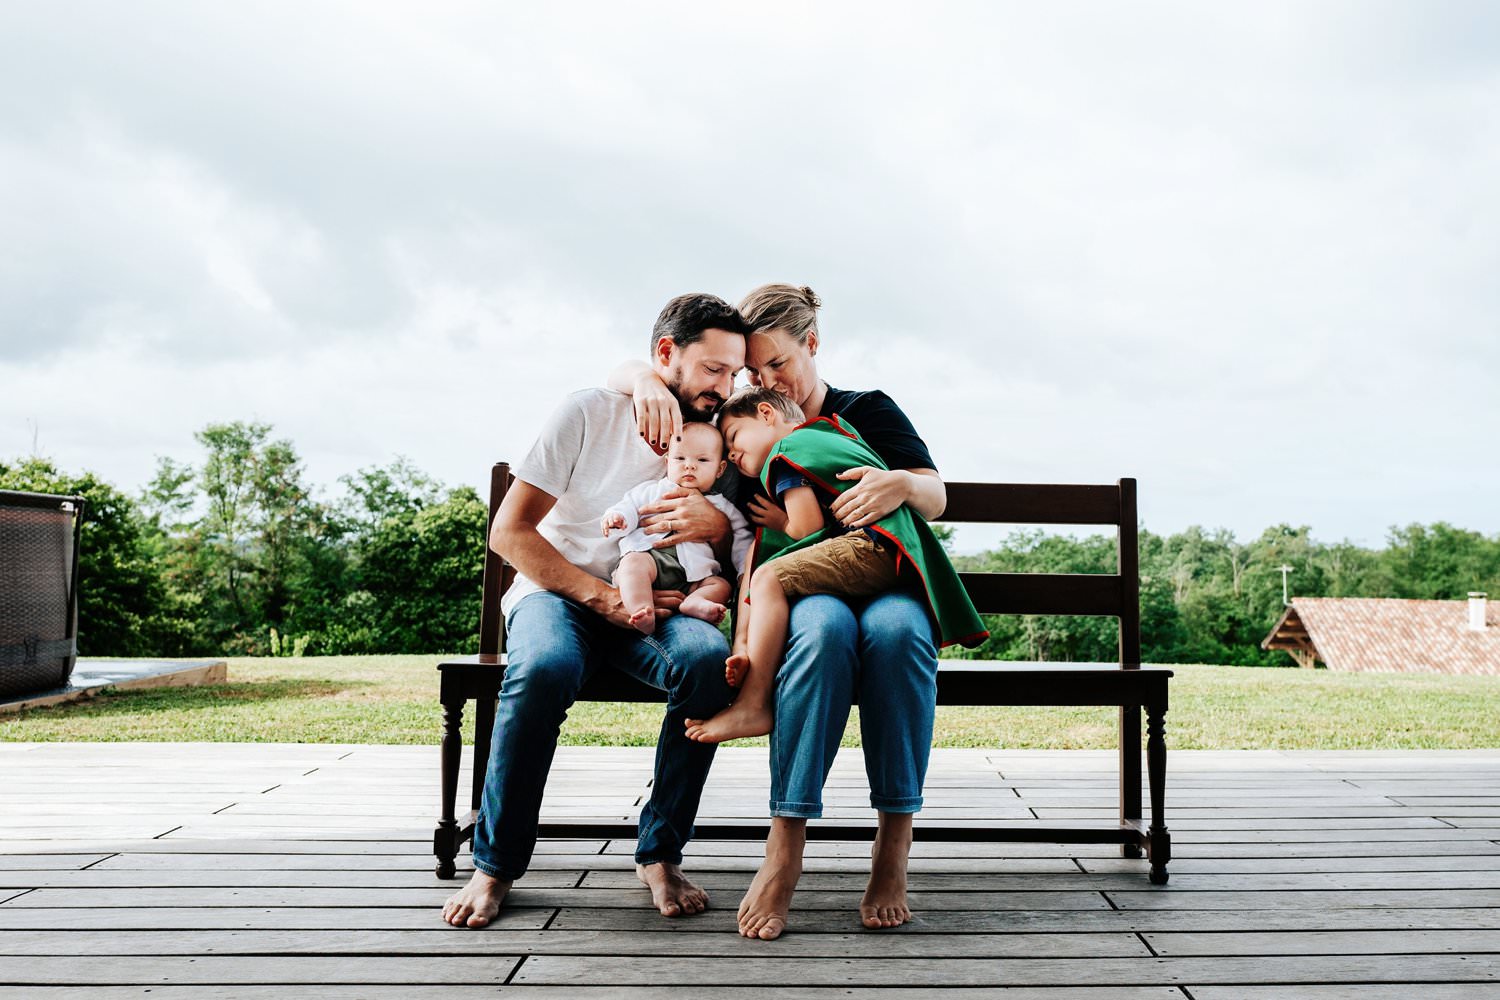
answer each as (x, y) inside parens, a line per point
(1243, 253)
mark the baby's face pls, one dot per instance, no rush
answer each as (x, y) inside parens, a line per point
(698, 459)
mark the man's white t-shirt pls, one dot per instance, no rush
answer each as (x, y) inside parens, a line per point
(589, 454)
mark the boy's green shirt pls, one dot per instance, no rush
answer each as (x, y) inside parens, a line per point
(822, 448)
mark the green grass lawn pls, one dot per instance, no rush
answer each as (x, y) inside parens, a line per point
(393, 699)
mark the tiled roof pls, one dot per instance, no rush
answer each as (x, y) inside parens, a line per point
(1388, 635)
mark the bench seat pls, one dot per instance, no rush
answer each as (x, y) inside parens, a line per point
(1128, 686)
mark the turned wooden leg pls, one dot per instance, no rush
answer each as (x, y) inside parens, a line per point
(445, 837)
(1160, 847)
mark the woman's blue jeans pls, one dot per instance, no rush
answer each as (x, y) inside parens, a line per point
(881, 650)
(553, 644)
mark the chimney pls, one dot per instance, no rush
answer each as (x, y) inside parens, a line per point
(1476, 611)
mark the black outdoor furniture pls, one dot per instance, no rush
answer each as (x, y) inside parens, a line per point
(38, 591)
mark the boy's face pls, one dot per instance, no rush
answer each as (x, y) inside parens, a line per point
(698, 459)
(750, 439)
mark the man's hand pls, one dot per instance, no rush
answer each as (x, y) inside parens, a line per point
(766, 514)
(683, 515)
(613, 521)
(876, 493)
(608, 605)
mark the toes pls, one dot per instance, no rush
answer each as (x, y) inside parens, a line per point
(772, 929)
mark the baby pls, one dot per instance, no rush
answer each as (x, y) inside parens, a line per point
(694, 462)
(798, 463)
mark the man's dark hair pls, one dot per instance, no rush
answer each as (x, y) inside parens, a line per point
(686, 317)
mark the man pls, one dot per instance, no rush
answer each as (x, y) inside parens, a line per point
(563, 620)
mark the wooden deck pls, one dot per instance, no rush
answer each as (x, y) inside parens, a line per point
(242, 870)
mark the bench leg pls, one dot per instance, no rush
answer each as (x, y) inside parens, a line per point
(484, 732)
(445, 837)
(1130, 772)
(1160, 848)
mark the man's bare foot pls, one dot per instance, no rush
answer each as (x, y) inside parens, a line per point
(644, 620)
(702, 608)
(731, 724)
(884, 901)
(671, 892)
(477, 903)
(735, 669)
(763, 911)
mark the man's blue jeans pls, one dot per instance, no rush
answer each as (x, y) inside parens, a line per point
(881, 649)
(553, 644)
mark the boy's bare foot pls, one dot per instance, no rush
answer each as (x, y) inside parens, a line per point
(884, 901)
(702, 608)
(671, 892)
(764, 909)
(731, 724)
(735, 669)
(477, 903)
(644, 620)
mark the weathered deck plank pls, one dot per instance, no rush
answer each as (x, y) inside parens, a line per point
(250, 871)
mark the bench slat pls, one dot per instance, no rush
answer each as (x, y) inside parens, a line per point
(1043, 593)
(1025, 503)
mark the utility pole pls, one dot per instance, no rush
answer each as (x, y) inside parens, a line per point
(1285, 601)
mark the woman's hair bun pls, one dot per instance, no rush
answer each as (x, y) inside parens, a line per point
(811, 297)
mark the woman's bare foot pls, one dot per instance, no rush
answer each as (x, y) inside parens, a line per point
(702, 608)
(735, 669)
(763, 911)
(477, 903)
(731, 724)
(644, 620)
(671, 892)
(884, 901)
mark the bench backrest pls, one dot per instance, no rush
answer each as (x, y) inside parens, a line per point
(1116, 594)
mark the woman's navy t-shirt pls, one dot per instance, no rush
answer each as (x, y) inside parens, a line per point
(879, 421)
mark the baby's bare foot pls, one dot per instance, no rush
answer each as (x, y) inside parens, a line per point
(735, 669)
(671, 892)
(764, 909)
(733, 723)
(477, 903)
(703, 609)
(644, 620)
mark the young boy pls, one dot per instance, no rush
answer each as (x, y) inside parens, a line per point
(798, 463)
(695, 461)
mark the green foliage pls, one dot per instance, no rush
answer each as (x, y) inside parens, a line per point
(417, 578)
(236, 554)
(1207, 598)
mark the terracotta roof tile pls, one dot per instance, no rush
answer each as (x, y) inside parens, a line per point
(1389, 635)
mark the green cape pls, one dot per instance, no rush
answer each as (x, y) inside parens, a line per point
(822, 448)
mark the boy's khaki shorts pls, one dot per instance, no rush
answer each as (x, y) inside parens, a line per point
(852, 565)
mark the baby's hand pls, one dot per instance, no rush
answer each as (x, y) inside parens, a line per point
(613, 520)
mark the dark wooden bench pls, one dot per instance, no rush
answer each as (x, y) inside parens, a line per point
(960, 682)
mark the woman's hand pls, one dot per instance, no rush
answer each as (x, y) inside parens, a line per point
(876, 493)
(683, 516)
(766, 514)
(658, 414)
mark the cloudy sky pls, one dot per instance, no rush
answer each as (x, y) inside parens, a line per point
(1247, 253)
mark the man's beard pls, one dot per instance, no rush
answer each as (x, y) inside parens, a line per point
(692, 409)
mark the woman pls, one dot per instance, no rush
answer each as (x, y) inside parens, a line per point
(881, 649)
